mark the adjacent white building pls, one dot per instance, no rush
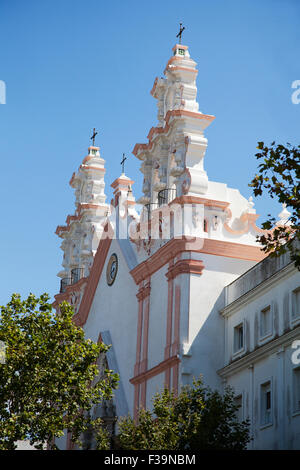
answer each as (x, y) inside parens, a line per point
(176, 281)
(261, 323)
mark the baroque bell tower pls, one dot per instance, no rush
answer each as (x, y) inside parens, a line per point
(173, 158)
(82, 232)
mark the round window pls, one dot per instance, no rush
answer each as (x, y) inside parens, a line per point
(112, 269)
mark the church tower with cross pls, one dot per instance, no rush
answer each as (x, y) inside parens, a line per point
(83, 229)
(176, 282)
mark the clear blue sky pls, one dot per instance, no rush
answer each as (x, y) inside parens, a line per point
(71, 65)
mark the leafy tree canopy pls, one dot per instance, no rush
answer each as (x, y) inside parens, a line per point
(47, 381)
(197, 419)
(278, 175)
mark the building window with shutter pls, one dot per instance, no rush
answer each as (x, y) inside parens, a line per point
(266, 404)
(296, 304)
(238, 338)
(266, 320)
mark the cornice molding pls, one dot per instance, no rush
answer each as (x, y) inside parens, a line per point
(269, 348)
(144, 291)
(163, 255)
(182, 200)
(198, 245)
(177, 113)
(185, 266)
(256, 291)
(158, 369)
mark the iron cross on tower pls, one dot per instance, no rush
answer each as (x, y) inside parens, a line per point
(180, 33)
(123, 162)
(93, 136)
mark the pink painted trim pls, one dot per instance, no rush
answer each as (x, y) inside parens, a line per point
(169, 316)
(129, 203)
(199, 200)
(59, 298)
(177, 67)
(169, 326)
(160, 130)
(185, 266)
(154, 86)
(121, 181)
(144, 363)
(88, 158)
(141, 363)
(175, 379)
(87, 167)
(69, 220)
(139, 337)
(156, 370)
(175, 345)
(103, 248)
(61, 228)
(168, 379)
(72, 218)
(143, 387)
(136, 405)
(209, 246)
(72, 178)
(84, 206)
(179, 46)
(232, 250)
(175, 58)
(249, 220)
(176, 339)
(162, 256)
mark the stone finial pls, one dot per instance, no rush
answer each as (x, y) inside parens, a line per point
(251, 209)
(284, 216)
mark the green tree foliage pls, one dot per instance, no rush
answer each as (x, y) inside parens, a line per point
(47, 381)
(197, 419)
(279, 174)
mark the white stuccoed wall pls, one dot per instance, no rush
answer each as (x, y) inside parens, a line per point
(157, 323)
(206, 327)
(114, 308)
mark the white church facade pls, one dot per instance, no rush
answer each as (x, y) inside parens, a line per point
(176, 281)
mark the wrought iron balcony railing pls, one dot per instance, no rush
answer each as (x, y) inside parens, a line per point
(76, 275)
(64, 282)
(165, 196)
